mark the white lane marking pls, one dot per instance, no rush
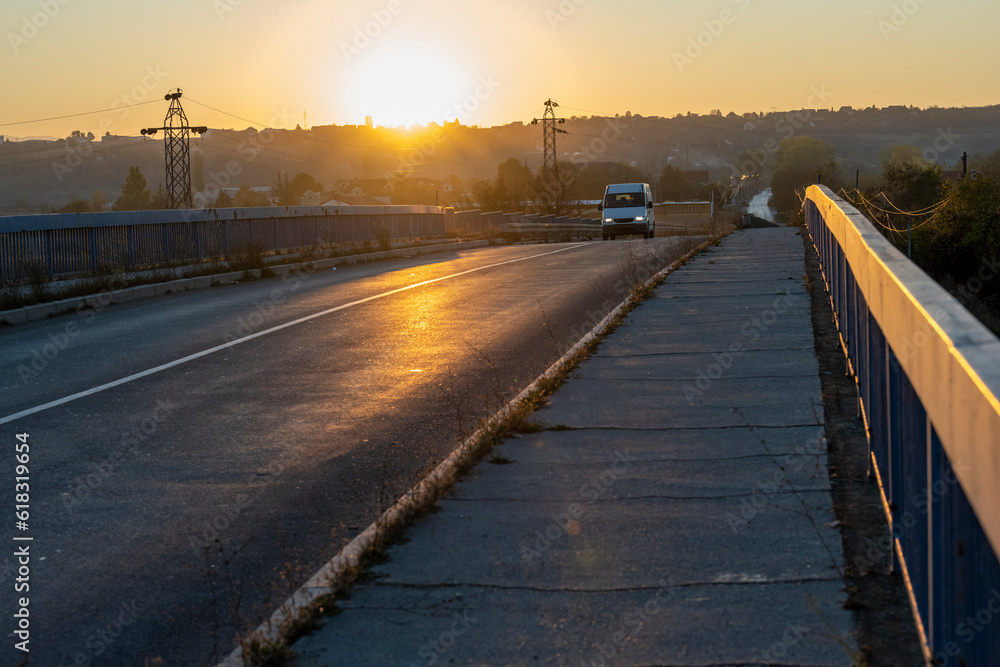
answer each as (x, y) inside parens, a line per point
(226, 346)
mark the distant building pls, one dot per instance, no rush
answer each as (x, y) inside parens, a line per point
(364, 187)
(358, 201)
(749, 126)
(310, 198)
(112, 138)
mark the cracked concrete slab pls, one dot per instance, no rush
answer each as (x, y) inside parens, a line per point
(689, 626)
(677, 512)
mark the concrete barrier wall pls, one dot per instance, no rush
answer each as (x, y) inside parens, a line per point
(928, 378)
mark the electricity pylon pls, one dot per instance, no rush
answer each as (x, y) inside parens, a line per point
(550, 163)
(177, 151)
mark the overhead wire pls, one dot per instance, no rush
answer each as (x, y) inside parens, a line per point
(863, 201)
(75, 115)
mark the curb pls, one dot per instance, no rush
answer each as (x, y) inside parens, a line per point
(421, 495)
(141, 292)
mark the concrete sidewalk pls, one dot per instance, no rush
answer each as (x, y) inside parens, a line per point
(676, 512)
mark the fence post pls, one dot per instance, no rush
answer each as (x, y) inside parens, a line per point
(166, 242)
(50, 260)
(196, 233)
(92, 243)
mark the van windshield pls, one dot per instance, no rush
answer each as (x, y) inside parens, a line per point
(625, 199)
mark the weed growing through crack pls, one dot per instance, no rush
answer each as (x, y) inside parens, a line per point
(513, 417)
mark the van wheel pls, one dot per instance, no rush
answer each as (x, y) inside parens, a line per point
(604, 237)
(611, 236)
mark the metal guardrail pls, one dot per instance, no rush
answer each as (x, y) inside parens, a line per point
(73, 243)
(550, 226)
(928, 377)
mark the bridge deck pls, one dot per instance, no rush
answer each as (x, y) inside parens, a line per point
(681, 517)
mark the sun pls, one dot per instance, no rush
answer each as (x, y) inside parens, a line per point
(403, 86)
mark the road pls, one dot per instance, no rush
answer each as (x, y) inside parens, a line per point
(196, 457)
(758, 206)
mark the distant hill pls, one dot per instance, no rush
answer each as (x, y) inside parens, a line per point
(39, 174)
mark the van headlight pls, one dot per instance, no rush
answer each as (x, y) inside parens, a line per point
(640, 218)
(608, 221)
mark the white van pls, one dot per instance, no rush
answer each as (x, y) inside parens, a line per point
(627, 209)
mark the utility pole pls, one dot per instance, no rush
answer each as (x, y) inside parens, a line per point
(965, 164)
(305, 120)
(177, 151)
(550, 163)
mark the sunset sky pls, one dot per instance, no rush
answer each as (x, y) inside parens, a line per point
(484, 62)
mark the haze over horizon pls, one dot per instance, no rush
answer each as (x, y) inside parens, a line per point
(484, 63)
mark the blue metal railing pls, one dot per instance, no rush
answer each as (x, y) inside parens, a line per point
(928, 379)
(72, 243)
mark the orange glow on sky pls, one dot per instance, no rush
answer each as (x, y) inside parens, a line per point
(485, 62)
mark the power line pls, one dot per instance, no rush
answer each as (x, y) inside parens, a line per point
(307, 137)
(75, 115)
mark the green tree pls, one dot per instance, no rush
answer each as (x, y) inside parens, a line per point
(247, 198)
(556, 192)
(158, 201)
(224, 200)
(76, 206)
(135, 195)
(987, 166)
(302, 183)
(281, 191)
(674, 185)
(198, 171)
(513, 186)
(798, 162)
(98, 201)
(963, 234)
(909, 180)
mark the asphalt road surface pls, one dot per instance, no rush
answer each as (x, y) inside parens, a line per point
(194, 458)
